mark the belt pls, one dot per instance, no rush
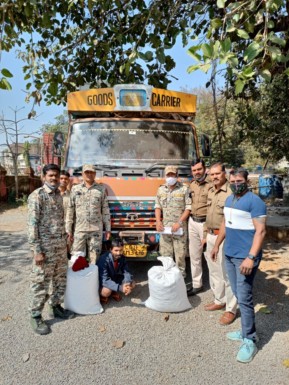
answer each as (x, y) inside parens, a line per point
(198, 219)
(213, 231)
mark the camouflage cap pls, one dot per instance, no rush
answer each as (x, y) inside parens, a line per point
(88, 167)
(173, 169)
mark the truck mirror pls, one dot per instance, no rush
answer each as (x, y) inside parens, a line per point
(205, 144)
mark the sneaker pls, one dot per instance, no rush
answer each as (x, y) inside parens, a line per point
(58, 312)
(235, 336)
(39, 326)
(247, 351)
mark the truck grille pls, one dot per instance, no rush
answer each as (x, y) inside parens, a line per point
(132, 214)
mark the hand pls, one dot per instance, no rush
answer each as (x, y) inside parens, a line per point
(159, 226)
(246, 266)
(126, 288)
(107, 235)
(70, 237)
(214, 254)
(175, 227)
(39, 259)
(204, 241)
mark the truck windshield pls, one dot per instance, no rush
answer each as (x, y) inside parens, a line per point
(121, 142)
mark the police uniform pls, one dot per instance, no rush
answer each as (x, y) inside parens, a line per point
(46, 234)
(88, 212)
(173, 203)
(219, 281)
(199, 193)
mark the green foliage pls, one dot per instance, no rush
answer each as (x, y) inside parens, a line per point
(264, 118)
(101, 42)
(248, 38)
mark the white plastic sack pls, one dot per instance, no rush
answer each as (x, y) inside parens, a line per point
(167, 288)
(81, 294)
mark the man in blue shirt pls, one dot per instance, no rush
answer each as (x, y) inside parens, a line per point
(244, 230)
(114, 276)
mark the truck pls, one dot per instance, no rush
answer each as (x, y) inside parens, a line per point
(131, 133)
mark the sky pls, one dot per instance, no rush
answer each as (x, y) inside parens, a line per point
(15, 98)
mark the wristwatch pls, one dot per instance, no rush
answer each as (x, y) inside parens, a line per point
(180, 223)
(251, 256)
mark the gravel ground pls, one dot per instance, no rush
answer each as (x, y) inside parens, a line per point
(187, 348)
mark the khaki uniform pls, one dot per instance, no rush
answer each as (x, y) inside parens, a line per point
(219, 281)
(87, 213)
(199, 192)
(173, 203)
(46, 234)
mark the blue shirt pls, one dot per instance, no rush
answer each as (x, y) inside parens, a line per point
(240, 230)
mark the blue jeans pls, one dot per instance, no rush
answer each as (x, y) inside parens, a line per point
(242, 286)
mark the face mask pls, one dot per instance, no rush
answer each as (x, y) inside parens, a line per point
(201, 178)
(52, 187)
(171, 181)
(238, 188)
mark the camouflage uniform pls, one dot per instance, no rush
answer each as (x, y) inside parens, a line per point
(88, 211)
(46, 234)
(173, 203)
(66, 199)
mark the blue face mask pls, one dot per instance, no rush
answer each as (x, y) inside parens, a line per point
(238, 188)
(53, 188)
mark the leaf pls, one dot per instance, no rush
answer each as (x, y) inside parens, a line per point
(53, 88)
(25, 357)
(239, 85)
(5, 85)
(166, 317)
(102, 328)
(265, 310)
(221, 3)
(6, 318)
(5, 72)
(207, 50)
(266, 74)
(216, 23)
(252, 51)
(275, 52)
(277, 40)
(193, 68)
(286, 363)
(243, 34)
(248, 72)
(205, 67)
(226, 44)
(118, 344)
(192, 52)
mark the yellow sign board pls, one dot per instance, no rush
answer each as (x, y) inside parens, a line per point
(131, 98)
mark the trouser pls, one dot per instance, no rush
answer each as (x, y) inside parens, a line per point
(196, 252)
(175, 246)
(219, 281)
(242, 286)
(49, 280)
(89, 243)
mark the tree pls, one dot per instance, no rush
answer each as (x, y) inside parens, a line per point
(264, 119)
(26, 149)
(98, 42)
(249, 39)
(235, 149)
(12, 129)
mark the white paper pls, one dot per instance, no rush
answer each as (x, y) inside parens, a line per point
(168, 230)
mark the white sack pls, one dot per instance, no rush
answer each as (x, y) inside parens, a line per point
(167, 288)
(81, 294)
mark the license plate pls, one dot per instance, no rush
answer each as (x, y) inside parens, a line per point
(135, 251)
